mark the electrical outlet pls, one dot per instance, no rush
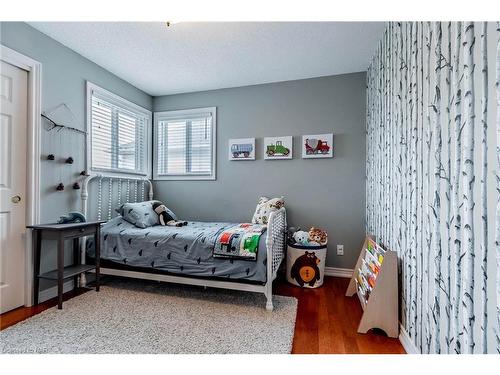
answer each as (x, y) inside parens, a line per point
(340, 249)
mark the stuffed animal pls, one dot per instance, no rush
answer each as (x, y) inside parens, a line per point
(317, 236)
(72, 217)
(165, 216)
(161, 211)
(301, 237)
(290, 233)
(264, 209)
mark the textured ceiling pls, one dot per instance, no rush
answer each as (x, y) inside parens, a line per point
(190, 57)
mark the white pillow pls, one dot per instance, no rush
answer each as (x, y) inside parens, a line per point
(265, 207)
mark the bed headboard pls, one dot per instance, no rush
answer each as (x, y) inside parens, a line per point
(108, 192)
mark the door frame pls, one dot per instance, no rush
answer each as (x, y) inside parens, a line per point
(34, 69)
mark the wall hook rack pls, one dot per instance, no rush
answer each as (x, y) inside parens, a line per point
(60, 127)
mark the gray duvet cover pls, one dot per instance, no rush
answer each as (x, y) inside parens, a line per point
(186, 251)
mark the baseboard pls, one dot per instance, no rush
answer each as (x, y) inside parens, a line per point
(338, 272)
(406, 341)
(49, 293)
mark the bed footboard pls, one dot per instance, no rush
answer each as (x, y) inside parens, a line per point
(275, 244)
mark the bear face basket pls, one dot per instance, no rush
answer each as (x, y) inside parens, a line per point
(305, 265)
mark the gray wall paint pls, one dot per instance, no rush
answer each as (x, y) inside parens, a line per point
(327, 193)
(64, 73)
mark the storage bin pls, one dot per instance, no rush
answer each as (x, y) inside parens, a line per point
(305, 265)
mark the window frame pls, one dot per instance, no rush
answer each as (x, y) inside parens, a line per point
(130, 107)
(165, 115)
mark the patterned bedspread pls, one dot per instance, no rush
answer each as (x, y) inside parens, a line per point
(239, 242)
(184, 250)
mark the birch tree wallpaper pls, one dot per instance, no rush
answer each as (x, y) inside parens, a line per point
(432, 181)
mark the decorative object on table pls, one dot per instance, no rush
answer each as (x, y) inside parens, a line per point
(317, 146)
(375, 281)
(60, 186)
(278, 147)
(306, 257)
(265, 207)
(242, 149)
(72, 217)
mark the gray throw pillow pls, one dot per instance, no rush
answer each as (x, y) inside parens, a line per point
(141, 214)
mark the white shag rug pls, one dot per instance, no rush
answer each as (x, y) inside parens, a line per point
(137, 317)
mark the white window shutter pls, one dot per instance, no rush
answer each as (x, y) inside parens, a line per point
(185, 144)
(118, 135)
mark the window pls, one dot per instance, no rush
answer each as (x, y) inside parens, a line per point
(185, 144)
(119, 133)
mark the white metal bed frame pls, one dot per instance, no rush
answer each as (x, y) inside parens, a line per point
(275, 238)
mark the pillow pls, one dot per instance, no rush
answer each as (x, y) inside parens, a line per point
(141, 214)
(265, 207)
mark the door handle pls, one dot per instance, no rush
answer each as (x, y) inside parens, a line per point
(15, 199)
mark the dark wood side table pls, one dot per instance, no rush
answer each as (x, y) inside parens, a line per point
(61, 233)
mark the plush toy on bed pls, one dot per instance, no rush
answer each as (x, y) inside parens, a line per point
(167, 217)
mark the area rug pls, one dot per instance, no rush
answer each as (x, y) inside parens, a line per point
(135, 316)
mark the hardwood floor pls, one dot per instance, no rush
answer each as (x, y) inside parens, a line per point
(17, 315)
(326, 320)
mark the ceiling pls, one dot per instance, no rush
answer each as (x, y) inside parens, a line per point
(189, 56)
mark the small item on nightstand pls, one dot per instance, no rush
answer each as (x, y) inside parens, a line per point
(72, 217)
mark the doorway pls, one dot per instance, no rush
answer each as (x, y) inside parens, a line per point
(13, 145)
(20, 102)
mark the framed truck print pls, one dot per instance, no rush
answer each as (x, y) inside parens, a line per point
(242, 149)
(317, 146)
(276, 148)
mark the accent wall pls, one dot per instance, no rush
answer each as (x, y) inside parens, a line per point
(432, 183)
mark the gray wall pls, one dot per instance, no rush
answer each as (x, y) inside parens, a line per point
(327, 193)
(64, 73)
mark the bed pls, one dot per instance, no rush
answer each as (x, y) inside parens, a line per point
(175, 254)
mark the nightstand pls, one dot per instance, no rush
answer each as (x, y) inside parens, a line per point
(61, 233)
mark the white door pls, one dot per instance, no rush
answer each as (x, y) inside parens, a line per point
(13, 128)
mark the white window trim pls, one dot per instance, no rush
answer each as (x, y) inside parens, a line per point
(158, 116)
(91, 87)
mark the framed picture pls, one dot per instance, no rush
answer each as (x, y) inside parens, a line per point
(317, 146)
(242, 149)
(278, 148)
